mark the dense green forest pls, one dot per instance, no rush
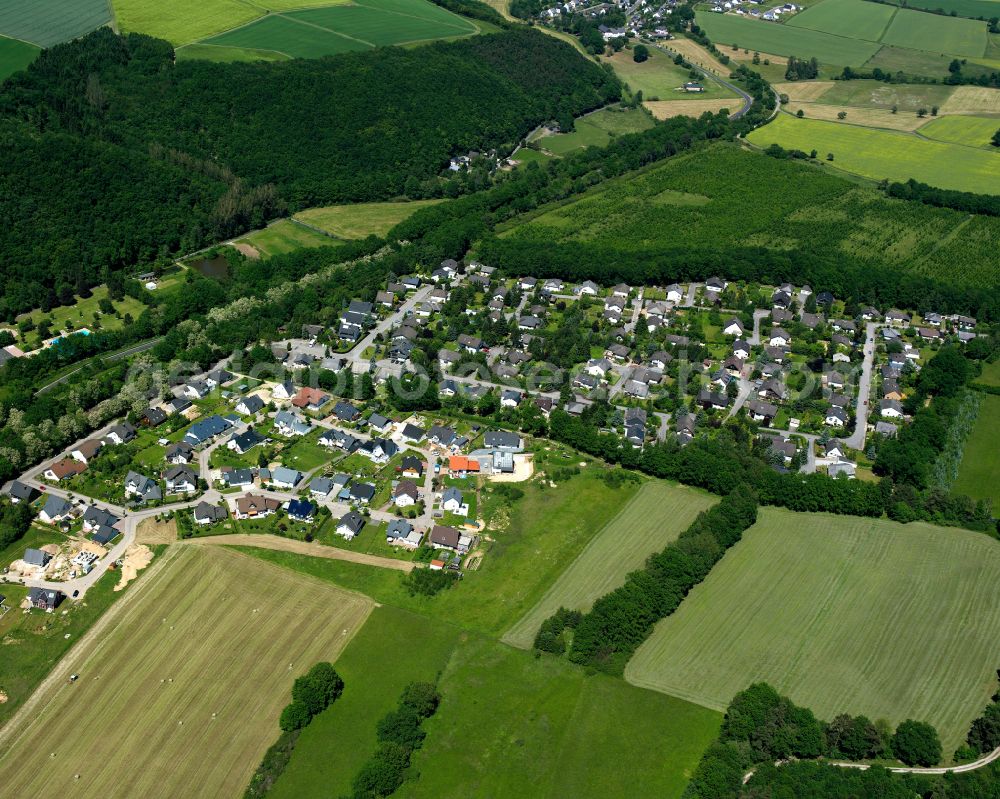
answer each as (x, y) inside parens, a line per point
(144, 157)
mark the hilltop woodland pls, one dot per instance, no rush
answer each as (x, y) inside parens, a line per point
(143, 159)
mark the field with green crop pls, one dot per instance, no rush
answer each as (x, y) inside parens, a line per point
(651, 520)
(806, 208)
(360, 25)
(879, 154)
(15, 55)
(825, 609)
(979, 474)
(225, 55)
(974, 9)
(970, 131)
(182, 21)
(853, 19)
(876, 94)
(48, 22)
(186, 686)
(285, 236)
(727, 29)
(512, 726)
(376, 665)
(918, 30)
(361, 220)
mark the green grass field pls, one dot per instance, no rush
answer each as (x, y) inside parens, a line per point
(651, 520)
(970, 131)
(879, 154)
(226, 55)
(359, 25)
(876, 94)
(990, 375)
(826, 609)
(918, 30)
(376, 665)
(510, 726)
(285, 236)
(727, 29)
(361, 220)
(182, 21)
(185, 687)
(597, 129)
(973, 9)
(15, 55)
(979, 474)
(48, 22)
(853, 19)
(658, 77)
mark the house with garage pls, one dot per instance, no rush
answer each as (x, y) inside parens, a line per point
(350, 525)
(87, 450)
(237, 478)
(346, 412)
(46, 599)
(55, 510)
(203, 431)
(255, 506)
(310, 399)
(142, 487)
(378, 450)
(242, 443)
(283, 477)
(321, 487)
(205, 514)
(502, 439)
(340, 439)
(361, 493)
(441, 435)
(301, 510)
(121, 434)
(180, 480)
(461, 466)
(401, 533)
(413, 434)
(452, 501)
(289, 423)
(179, 453)
(761, 411)
(444, 537)
(63, 470)
(197, 389)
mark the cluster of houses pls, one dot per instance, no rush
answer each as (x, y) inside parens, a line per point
(753, 9)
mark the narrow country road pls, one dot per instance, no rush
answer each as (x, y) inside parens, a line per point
(264, 541)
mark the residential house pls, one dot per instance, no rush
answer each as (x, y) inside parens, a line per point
(95, 518)
(64, 469)
(715, 285)
(362, 493)
(205, 513)
(46, 599)
(178, 405)
(197, 389)
(675, 293)
(405, 493)
(448, 358)
(321, 487)
(346, 412)
(886, 429)
(87, 450)
(284, 477)
(461, 466)
(412, 467)
(153, 417)
(443, 436)
(255, 506)
(248, 406)
(311, 399)
(510, 398)
(617, 352)
(779, 338)
(733, 327)
(142, 487)
(56, 510)
(836, 417)
(288, 424)
(401, 533)
(845, 468)
(350, 524)
(741, 349)
(897, 318)
(712, 400)
(283, 391)
(19, 492)
(242, 443)
(444, 537)
(301, 510)
(237, 478)
(206, 429)
(501, 439)
(890, 409)
(180, 480)
(587, 288)
(379, 423)
(121, 433)
(412, 433)
(760, 411)
(36, 557)
(451, 501)
(378, 450)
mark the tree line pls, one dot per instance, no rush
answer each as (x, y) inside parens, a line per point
(312, 693)
(607, 636)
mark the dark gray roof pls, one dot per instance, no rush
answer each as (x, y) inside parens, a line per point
(353, 521)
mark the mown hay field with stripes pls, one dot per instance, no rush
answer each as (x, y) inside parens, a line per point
(48, 22)
(186, 687)
(653, 518)
(842, 614)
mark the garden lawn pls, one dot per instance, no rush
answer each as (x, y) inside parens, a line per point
(14, 56)
(880, 154)
(826, 609)
(393, 648)
(361, 220)
(284, 236)
(511, 725)
(186, 687)
(653, 518)
(81, 314)
(970, 131)
(979, 473)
